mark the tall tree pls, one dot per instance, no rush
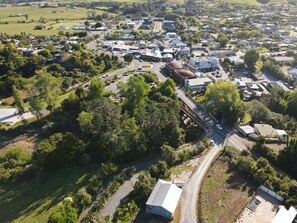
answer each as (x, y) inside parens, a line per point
(136, 94)
(128, 58)
(47, 89)
(18, 99)
(250, 58)
(96, 88)
(223, 99)
(292, 103)
(223, 39)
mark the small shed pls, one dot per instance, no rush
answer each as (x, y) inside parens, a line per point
(163, 199)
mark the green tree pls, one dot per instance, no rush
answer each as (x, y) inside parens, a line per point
(65, 214)
(45, 53)
(128, 58)
(258, 111)
(159, 170)
(223, 39)
(136, 94)
(169, 154)
(18, 99)
(292, 103)
(96, 88)
(250, 58)
(223, 100)
(82, 199)
(46, 88)
(287, 157)
(36, 106)
(168, 88)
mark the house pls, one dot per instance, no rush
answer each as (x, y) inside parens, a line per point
(171, 35)
(283, 60)
(265, 130)
(293, 73)
(184, 51)
(278, 85)
(246, 130)
(197, 84)
(163, 199)
(204, 63)
(285, 216)
(167, 57)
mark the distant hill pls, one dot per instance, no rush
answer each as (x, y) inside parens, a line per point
(258, 2)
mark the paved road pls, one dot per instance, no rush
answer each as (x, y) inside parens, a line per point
(191, 188)
(11, 116)
(112, 204)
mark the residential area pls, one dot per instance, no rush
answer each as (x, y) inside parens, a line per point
(152, 111)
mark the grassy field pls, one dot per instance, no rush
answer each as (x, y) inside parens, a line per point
(254, 2)
(54, 18)
(224, 194)
(35, 201)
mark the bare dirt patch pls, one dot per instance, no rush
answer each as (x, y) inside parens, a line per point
(264, 212)
(25, 141)
(224, 193)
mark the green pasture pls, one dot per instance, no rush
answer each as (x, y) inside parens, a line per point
(54, 18)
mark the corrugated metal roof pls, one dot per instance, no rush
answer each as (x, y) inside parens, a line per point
(166, 195)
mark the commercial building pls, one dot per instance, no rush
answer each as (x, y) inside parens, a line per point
(163, 199)
(178, 72)
(205, 63)
(197, 84)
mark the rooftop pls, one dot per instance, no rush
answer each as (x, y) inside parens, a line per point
(165, 194)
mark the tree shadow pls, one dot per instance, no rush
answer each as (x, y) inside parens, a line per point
(39, 196)
(239, 181)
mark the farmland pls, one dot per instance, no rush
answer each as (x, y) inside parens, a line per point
(13, 19)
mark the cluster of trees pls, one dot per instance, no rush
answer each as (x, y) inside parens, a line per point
(222, 99)
(15, 68)
(285, 159)
(278, 109)
(251, 57)
(144, 121)
(262, 173)
(247, 34)
(12, 164)
(223, 39)
(275, 70)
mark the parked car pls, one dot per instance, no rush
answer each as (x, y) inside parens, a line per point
(219, 126)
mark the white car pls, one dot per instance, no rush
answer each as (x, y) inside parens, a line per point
(219, 126)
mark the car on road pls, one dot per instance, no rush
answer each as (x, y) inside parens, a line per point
(219, 126)
(139, 68)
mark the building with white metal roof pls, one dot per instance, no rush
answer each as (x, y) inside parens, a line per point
(163, 199)
(284, 215)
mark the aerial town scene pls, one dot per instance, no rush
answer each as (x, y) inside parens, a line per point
(148, 111)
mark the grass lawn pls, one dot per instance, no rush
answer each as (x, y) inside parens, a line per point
(34, 201)
(54, 18)
(224, 193)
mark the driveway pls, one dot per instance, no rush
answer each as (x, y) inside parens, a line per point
(11, 116)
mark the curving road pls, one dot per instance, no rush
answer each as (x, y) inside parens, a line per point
(191, 188)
